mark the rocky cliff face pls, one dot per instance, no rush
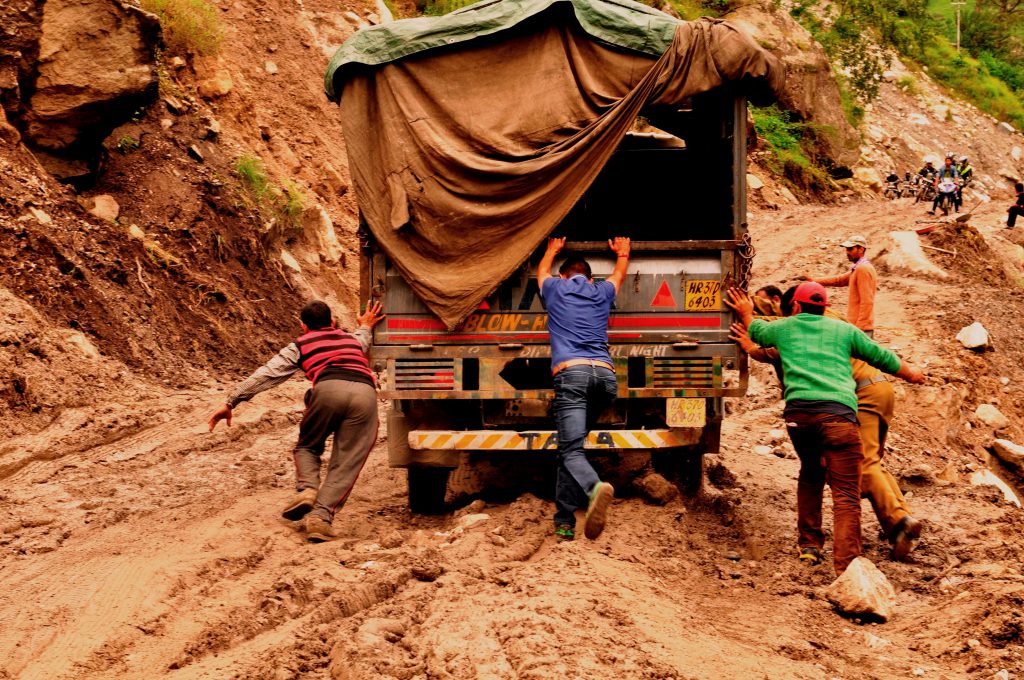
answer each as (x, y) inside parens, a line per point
(76, 69)
(810, 90)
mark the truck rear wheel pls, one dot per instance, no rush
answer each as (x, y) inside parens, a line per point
(427, 489)
(690, 474)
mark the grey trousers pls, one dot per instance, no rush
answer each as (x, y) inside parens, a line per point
(347, 410)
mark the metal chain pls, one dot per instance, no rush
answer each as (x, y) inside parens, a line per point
(746, 252)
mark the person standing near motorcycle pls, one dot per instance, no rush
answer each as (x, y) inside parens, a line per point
(947, 172)
(966, 175)
(863, 282)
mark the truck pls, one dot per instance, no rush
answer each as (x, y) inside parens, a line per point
(484, 389)
(471, 138)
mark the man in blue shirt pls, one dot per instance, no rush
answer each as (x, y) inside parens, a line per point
(584, 377)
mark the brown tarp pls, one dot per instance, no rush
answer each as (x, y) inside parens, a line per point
(464, 160)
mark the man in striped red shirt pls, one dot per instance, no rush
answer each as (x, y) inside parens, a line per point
(342, 402)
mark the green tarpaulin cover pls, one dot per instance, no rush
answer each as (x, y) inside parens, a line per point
(471, 136)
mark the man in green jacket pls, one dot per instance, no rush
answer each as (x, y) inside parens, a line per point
(821, 411)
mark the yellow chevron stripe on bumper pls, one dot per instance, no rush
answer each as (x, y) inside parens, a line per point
(540, 440)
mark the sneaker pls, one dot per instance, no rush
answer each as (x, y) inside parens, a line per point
(300, 505)
(564, 532)
(810, 556)
(597, 512)
(903, 537)
(318, 530)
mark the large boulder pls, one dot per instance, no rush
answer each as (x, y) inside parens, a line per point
(96, 66)
(862, 590)
(810, 88)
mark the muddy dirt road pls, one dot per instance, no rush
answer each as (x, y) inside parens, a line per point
(134, 544)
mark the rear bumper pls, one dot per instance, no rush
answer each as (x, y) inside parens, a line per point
(541, 440)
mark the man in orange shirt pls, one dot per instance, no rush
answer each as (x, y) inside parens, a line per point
(862, 280)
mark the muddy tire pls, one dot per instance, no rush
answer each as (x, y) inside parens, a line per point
(427, 489)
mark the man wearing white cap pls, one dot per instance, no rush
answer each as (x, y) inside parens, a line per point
(862, 280)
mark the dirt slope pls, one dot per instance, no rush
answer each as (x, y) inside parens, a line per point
(158, 550)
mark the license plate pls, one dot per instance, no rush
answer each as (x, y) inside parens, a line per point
(685, 412)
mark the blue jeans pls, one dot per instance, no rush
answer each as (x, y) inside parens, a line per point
(581, 393)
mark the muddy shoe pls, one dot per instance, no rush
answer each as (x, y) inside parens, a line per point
(597, 513)
(564, 532)
(300, 505)
(318, 530)
(810, 556)
(903, 537)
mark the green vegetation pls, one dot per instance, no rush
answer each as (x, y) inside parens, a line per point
(188, 25)
(249, 170)
(972, 80)
(907, 84)
(789, 143)
(989, 72)
(281, 208)
(127, 143)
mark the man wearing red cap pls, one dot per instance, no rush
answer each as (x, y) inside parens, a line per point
(821, 411)
(863, 282)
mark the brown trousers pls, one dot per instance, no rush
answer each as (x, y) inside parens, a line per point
(875, 406)
(347, 410)
(830, 451)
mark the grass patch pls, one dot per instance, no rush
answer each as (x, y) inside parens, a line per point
(907, 84)
(188, 25)
(785, 139)
(280, 208)
(127, 143)
(969, 78)
(253, 177)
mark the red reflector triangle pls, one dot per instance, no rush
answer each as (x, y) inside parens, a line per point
(484, 305)
(663, 298)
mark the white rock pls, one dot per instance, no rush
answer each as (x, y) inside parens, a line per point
(384, 11)
(1006, 127)
(754, 182)
(1015, 153)
(875, 642)
(777, 436)
(82, 344)
(763, 450)
(918, 119)
(41, 217)
(870, 177)
(991, 416)
(271, 68)
(136, 232)
(1004, 381)
(469, 521)
(104, 207)
(1008, 173)
(289, 261)
(1001, 674)
(1008, 452)
(974, 336)
(862, 590)
(903, 252)
(316, 219)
